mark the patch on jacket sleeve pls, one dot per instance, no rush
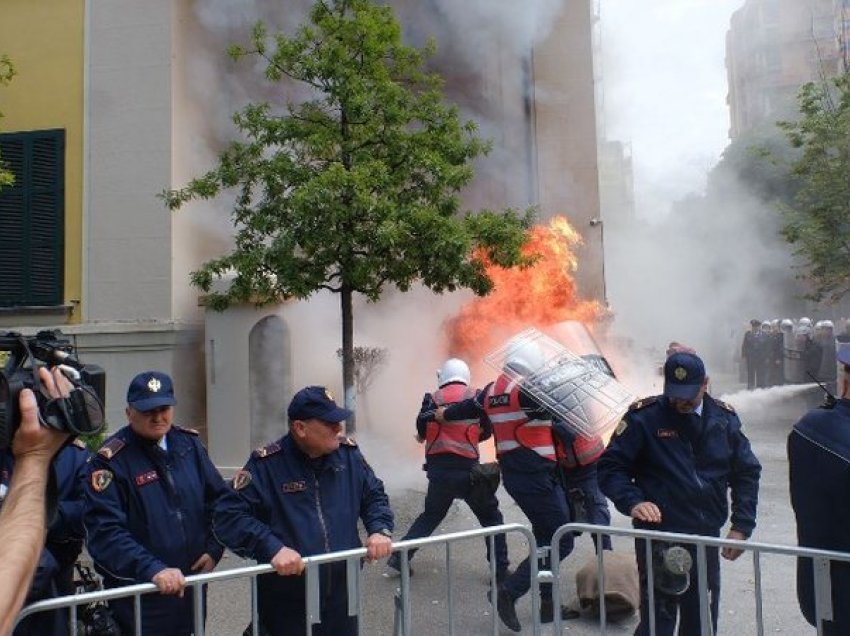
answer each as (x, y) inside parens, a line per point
(267, 451)
(347, 441)
(100, 479)
(241, 479)
(190, 431)
(79, 443)
(621, 428)
(111, 448)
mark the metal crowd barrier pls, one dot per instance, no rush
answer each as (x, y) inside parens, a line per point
(353, 559)
(821, 560)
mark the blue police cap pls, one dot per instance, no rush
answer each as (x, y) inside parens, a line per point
(684, 374)
(151, 390)
(316, 402)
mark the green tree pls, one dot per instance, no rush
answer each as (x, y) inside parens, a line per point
(7, 72)
(817, 222)
(357, 186)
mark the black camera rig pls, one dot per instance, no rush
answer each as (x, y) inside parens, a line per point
(80, 413)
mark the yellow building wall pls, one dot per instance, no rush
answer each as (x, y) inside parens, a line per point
(45, 41)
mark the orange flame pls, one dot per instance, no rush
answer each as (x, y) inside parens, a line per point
(538, 296)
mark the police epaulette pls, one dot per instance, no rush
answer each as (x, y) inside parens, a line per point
(79, 443)
(347, 441)
(725, 406)
(111, 448)
(190, 431)
(265, 451)
(635, 406)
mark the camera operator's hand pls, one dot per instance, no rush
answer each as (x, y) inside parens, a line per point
(22, 520)
(31, 439)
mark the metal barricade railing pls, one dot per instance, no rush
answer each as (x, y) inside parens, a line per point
(821, 560)
(353, 559)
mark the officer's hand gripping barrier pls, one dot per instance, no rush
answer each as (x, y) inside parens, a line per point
(589, 400)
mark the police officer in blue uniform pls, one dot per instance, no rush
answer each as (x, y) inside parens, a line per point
(54, 574)
(819, 454)
(670, 466)
(451, 454)
(525, 435)
(150, 496)
(300, 496)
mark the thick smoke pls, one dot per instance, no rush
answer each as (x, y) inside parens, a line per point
(697, 260)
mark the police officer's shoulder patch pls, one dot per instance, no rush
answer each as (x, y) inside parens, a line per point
(267, 450)
(100, 479)
(190, 431)
(348, 441)
(79, 443)
(643, 403)
(111, 448)
(241, 479)
(621, 428)
(725, 406)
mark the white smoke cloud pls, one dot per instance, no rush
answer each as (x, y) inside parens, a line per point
(665, 90)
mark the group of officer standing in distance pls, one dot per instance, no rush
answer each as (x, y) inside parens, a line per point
(155, 509)
(776, 352)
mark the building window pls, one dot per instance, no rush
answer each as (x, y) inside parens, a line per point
(32, 214)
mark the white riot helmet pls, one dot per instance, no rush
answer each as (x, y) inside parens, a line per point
(787, 324)
(453, 370)
(524, 357)
(807, 322)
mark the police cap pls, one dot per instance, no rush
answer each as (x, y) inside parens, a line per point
(316, 402)
(151, 390)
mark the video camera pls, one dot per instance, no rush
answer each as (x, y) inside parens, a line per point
(80, 413)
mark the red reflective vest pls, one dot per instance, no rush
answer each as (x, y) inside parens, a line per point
(582, 452)
(512, 428)
(459, 437)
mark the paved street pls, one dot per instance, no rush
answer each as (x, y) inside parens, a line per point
(767, 416)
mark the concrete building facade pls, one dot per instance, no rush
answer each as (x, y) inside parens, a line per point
(773, 47)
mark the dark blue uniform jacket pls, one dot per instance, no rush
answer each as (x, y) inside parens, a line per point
(310, 506)
(685, 464)
(819, 471)
(156, 509)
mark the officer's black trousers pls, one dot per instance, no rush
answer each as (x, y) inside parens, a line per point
(544, 502)
(443, 489)
(687, 605)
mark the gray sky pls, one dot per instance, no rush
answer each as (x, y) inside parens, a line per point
(664, 80)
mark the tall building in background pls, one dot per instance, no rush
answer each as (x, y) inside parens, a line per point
(773, 47)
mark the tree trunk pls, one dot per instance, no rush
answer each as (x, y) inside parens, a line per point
(348, 356)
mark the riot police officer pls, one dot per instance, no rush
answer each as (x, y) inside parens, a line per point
(300, 496)
(818, 454)
(525, 447)
(451, 454)
(670, 466)
(149, 500)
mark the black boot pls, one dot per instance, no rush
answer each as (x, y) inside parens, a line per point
(505, 606)
(547, 611)
(394, 562)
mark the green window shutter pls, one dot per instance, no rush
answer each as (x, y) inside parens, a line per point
(32, 214)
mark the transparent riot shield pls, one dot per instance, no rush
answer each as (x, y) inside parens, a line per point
(577, 391)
